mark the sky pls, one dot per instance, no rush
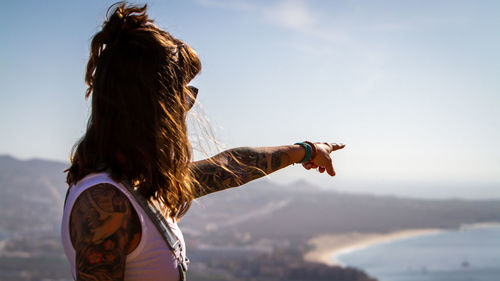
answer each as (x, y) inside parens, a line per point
(411, 87)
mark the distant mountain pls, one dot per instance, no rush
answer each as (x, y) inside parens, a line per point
(236, 230)
(31, 194)
(300, 212)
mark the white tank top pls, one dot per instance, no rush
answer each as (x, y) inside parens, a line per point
(151, 260)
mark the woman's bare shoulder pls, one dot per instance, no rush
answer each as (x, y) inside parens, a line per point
(104, 228)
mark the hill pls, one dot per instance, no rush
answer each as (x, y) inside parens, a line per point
(259, 230)
(301, 211)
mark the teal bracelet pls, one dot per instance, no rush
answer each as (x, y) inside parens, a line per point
(308, 149)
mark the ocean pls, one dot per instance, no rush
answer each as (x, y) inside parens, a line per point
(471, 254)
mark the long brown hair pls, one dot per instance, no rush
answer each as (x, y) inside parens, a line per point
(137, 76)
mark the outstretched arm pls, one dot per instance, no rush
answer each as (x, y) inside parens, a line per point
(238, 166)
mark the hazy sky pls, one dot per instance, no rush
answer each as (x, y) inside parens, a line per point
(412, 87)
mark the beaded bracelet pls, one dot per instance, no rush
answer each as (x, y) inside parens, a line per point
(314, 149)
(308, 149)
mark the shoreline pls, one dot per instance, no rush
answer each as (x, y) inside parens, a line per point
(328, 247)
(478, 225)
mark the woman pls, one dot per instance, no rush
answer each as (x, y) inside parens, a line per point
(136, 153)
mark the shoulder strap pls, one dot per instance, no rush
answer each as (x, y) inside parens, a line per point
(164, 229)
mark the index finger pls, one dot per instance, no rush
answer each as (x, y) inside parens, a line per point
(336, 146)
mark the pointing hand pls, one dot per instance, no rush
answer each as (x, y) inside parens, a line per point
(322, 159)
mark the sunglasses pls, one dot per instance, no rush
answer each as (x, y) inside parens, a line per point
(191, 96)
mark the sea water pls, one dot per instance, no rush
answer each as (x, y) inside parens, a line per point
(464, 255)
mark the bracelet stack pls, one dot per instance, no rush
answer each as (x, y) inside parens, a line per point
(310, 150)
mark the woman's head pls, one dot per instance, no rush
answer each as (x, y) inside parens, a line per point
(138, 77)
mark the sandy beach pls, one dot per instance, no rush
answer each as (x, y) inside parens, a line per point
(479, 225)
(326, 247)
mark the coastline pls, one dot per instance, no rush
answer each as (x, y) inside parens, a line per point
(327, 247)
(479, 225)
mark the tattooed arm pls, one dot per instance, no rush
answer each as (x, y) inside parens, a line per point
(238, 166)
(104, 228)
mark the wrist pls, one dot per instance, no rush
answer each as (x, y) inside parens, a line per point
(308, 151)
(314, 149)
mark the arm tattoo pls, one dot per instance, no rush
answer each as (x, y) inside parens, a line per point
(104, 228)
(235, 167)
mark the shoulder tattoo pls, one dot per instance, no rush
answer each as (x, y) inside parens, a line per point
(104, 228)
